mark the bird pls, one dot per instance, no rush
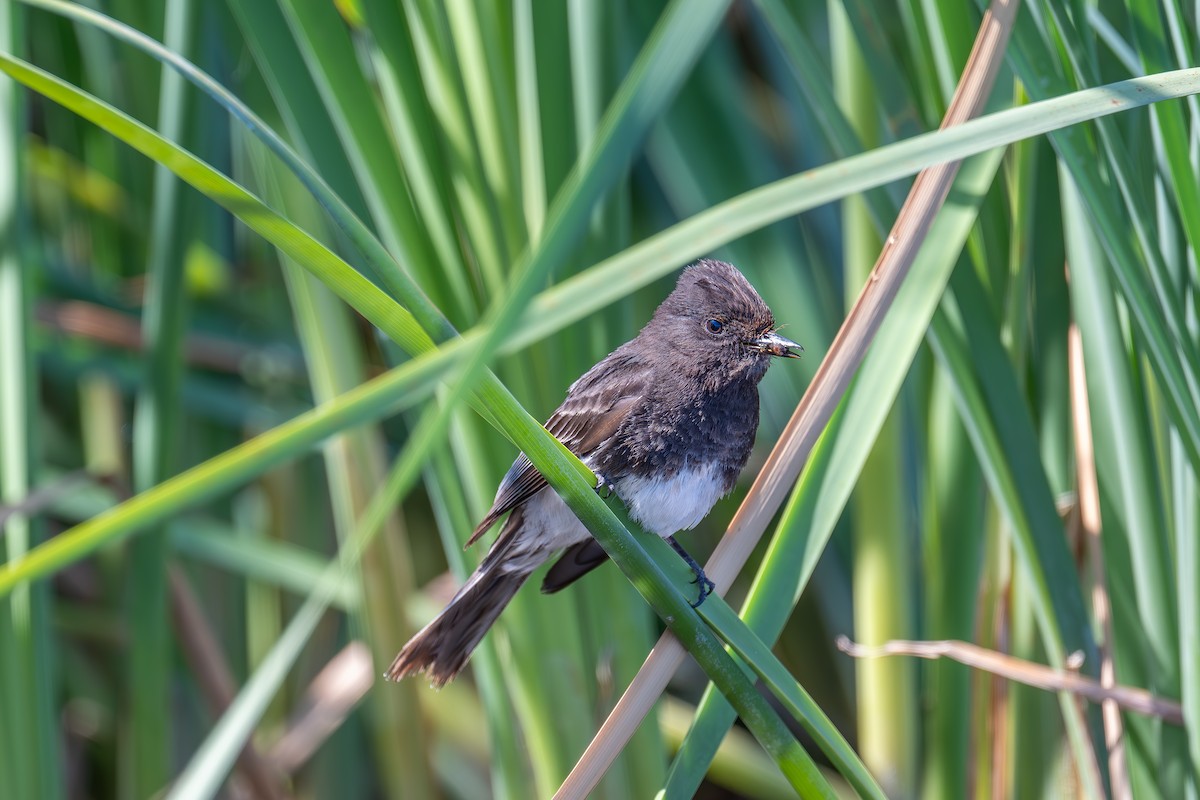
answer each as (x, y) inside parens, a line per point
(666, 422)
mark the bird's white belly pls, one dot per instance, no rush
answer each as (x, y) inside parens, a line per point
(662, 506)
(665, 506)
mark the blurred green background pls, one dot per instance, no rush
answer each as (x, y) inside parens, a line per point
(145, 330)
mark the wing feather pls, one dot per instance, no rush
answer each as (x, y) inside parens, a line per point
(578, 560)
(592, 412)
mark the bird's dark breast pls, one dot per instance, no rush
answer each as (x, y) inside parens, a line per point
(671, 431)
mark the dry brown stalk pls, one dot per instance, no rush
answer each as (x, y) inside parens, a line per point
(1025, 672)
(812, 415)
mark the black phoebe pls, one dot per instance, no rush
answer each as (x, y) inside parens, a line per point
(666, 422)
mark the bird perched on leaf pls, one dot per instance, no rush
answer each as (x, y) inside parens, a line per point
(666, 421)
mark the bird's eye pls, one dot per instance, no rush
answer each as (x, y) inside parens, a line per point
(714, 326)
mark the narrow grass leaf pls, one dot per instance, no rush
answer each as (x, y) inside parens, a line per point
(157, 422)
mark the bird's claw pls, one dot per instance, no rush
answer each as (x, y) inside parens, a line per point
(707, 587)
(604, 487)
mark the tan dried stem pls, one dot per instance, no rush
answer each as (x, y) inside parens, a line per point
(207, 661)
(113, 328)
(41, 498)
(1089, 520)
(812, 415)
(1029, 673)
(330, 698)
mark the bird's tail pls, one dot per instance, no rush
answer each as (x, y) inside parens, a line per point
(442, 647)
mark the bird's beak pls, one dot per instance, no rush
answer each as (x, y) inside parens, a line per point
(775, 345)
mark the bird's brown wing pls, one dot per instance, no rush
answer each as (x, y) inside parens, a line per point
(594, 409)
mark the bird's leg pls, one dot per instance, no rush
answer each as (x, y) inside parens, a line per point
(706, 586)
(604, 487)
